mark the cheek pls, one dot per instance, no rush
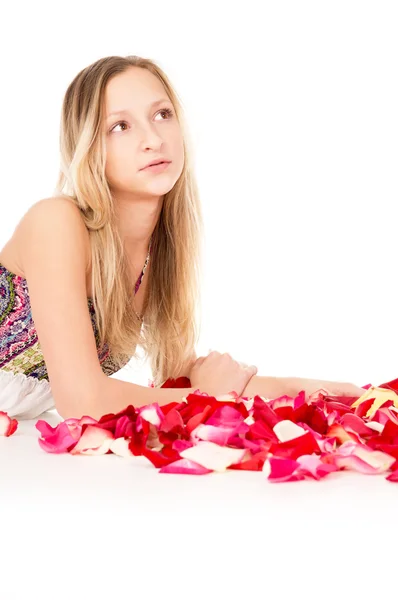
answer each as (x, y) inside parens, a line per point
(120, 165)
(178, 154)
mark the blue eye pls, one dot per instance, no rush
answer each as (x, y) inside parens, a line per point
(167, 111)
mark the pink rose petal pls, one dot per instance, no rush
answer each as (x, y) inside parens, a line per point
(180, 445)
(311, 464)
(220, 434)
(354, 424)
(285, 469)
(214, 457)
(55, 439)
(358, 457)
(151, 413)
(94, 441)
(184, 466)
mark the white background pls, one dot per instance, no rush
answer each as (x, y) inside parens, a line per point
(292, 108)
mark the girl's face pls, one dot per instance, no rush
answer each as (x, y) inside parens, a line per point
(145, 128)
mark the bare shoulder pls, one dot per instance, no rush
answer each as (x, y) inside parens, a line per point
(57, 213)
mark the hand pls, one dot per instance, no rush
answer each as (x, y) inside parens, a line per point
(344, 389)
(218, 374)
(334, 388)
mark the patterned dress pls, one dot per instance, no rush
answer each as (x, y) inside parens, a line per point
(25, 390)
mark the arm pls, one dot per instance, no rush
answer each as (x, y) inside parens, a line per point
(54, 247)
(273, 387)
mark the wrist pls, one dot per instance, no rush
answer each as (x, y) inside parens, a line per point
(268, 387)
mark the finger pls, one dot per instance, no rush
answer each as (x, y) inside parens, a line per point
(252, 369)
(199, 361)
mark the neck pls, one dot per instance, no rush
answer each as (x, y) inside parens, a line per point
(136, 221)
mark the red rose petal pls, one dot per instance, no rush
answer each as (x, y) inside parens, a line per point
(354, 424)
(8, 426)
(292, 449)
(281, 469)
(172, 422)
(393, 477)
(363, 408)
(255, 463)
(262, 411)
(161, 458)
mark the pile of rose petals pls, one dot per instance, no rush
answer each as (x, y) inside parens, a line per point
(289, 439)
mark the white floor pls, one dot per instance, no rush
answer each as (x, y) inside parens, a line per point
(101, 527)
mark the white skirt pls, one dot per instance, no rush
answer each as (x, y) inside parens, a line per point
(24, 397)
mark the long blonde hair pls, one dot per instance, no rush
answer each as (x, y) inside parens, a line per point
(172, 305)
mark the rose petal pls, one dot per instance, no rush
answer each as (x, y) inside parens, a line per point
(230, 397)
(288, 401)
(55, 439)
(94, 441)
(312, 464)
(221, 427)
(281, 469)
(354, 424)
(393, 477)
(338, 432)
(255, 463)
(304, 444)
(180, 445)
(152, 413)
(225, 416)
(375, 425)
(214, 457)
(261, 431)
(172, 422)
(287, 430)
(8, 426)
(120, 447)
(380, 396)
(262, 411)
(185, 467)
(358, 457)
(165, 456)
(382, 415)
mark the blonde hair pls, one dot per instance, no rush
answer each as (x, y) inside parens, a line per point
(172, 305)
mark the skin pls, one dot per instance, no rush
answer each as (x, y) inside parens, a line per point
(134, 139)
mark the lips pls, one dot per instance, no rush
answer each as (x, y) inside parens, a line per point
(159, 162)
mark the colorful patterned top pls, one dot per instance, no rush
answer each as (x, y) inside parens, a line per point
(20, 350)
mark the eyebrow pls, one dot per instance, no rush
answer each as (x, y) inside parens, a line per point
(124, 111)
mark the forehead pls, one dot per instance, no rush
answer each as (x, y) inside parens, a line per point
(135, 89)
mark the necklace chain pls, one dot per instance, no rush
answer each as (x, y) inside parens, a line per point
(139, 280)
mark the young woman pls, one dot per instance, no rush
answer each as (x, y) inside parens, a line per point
(113, 260)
